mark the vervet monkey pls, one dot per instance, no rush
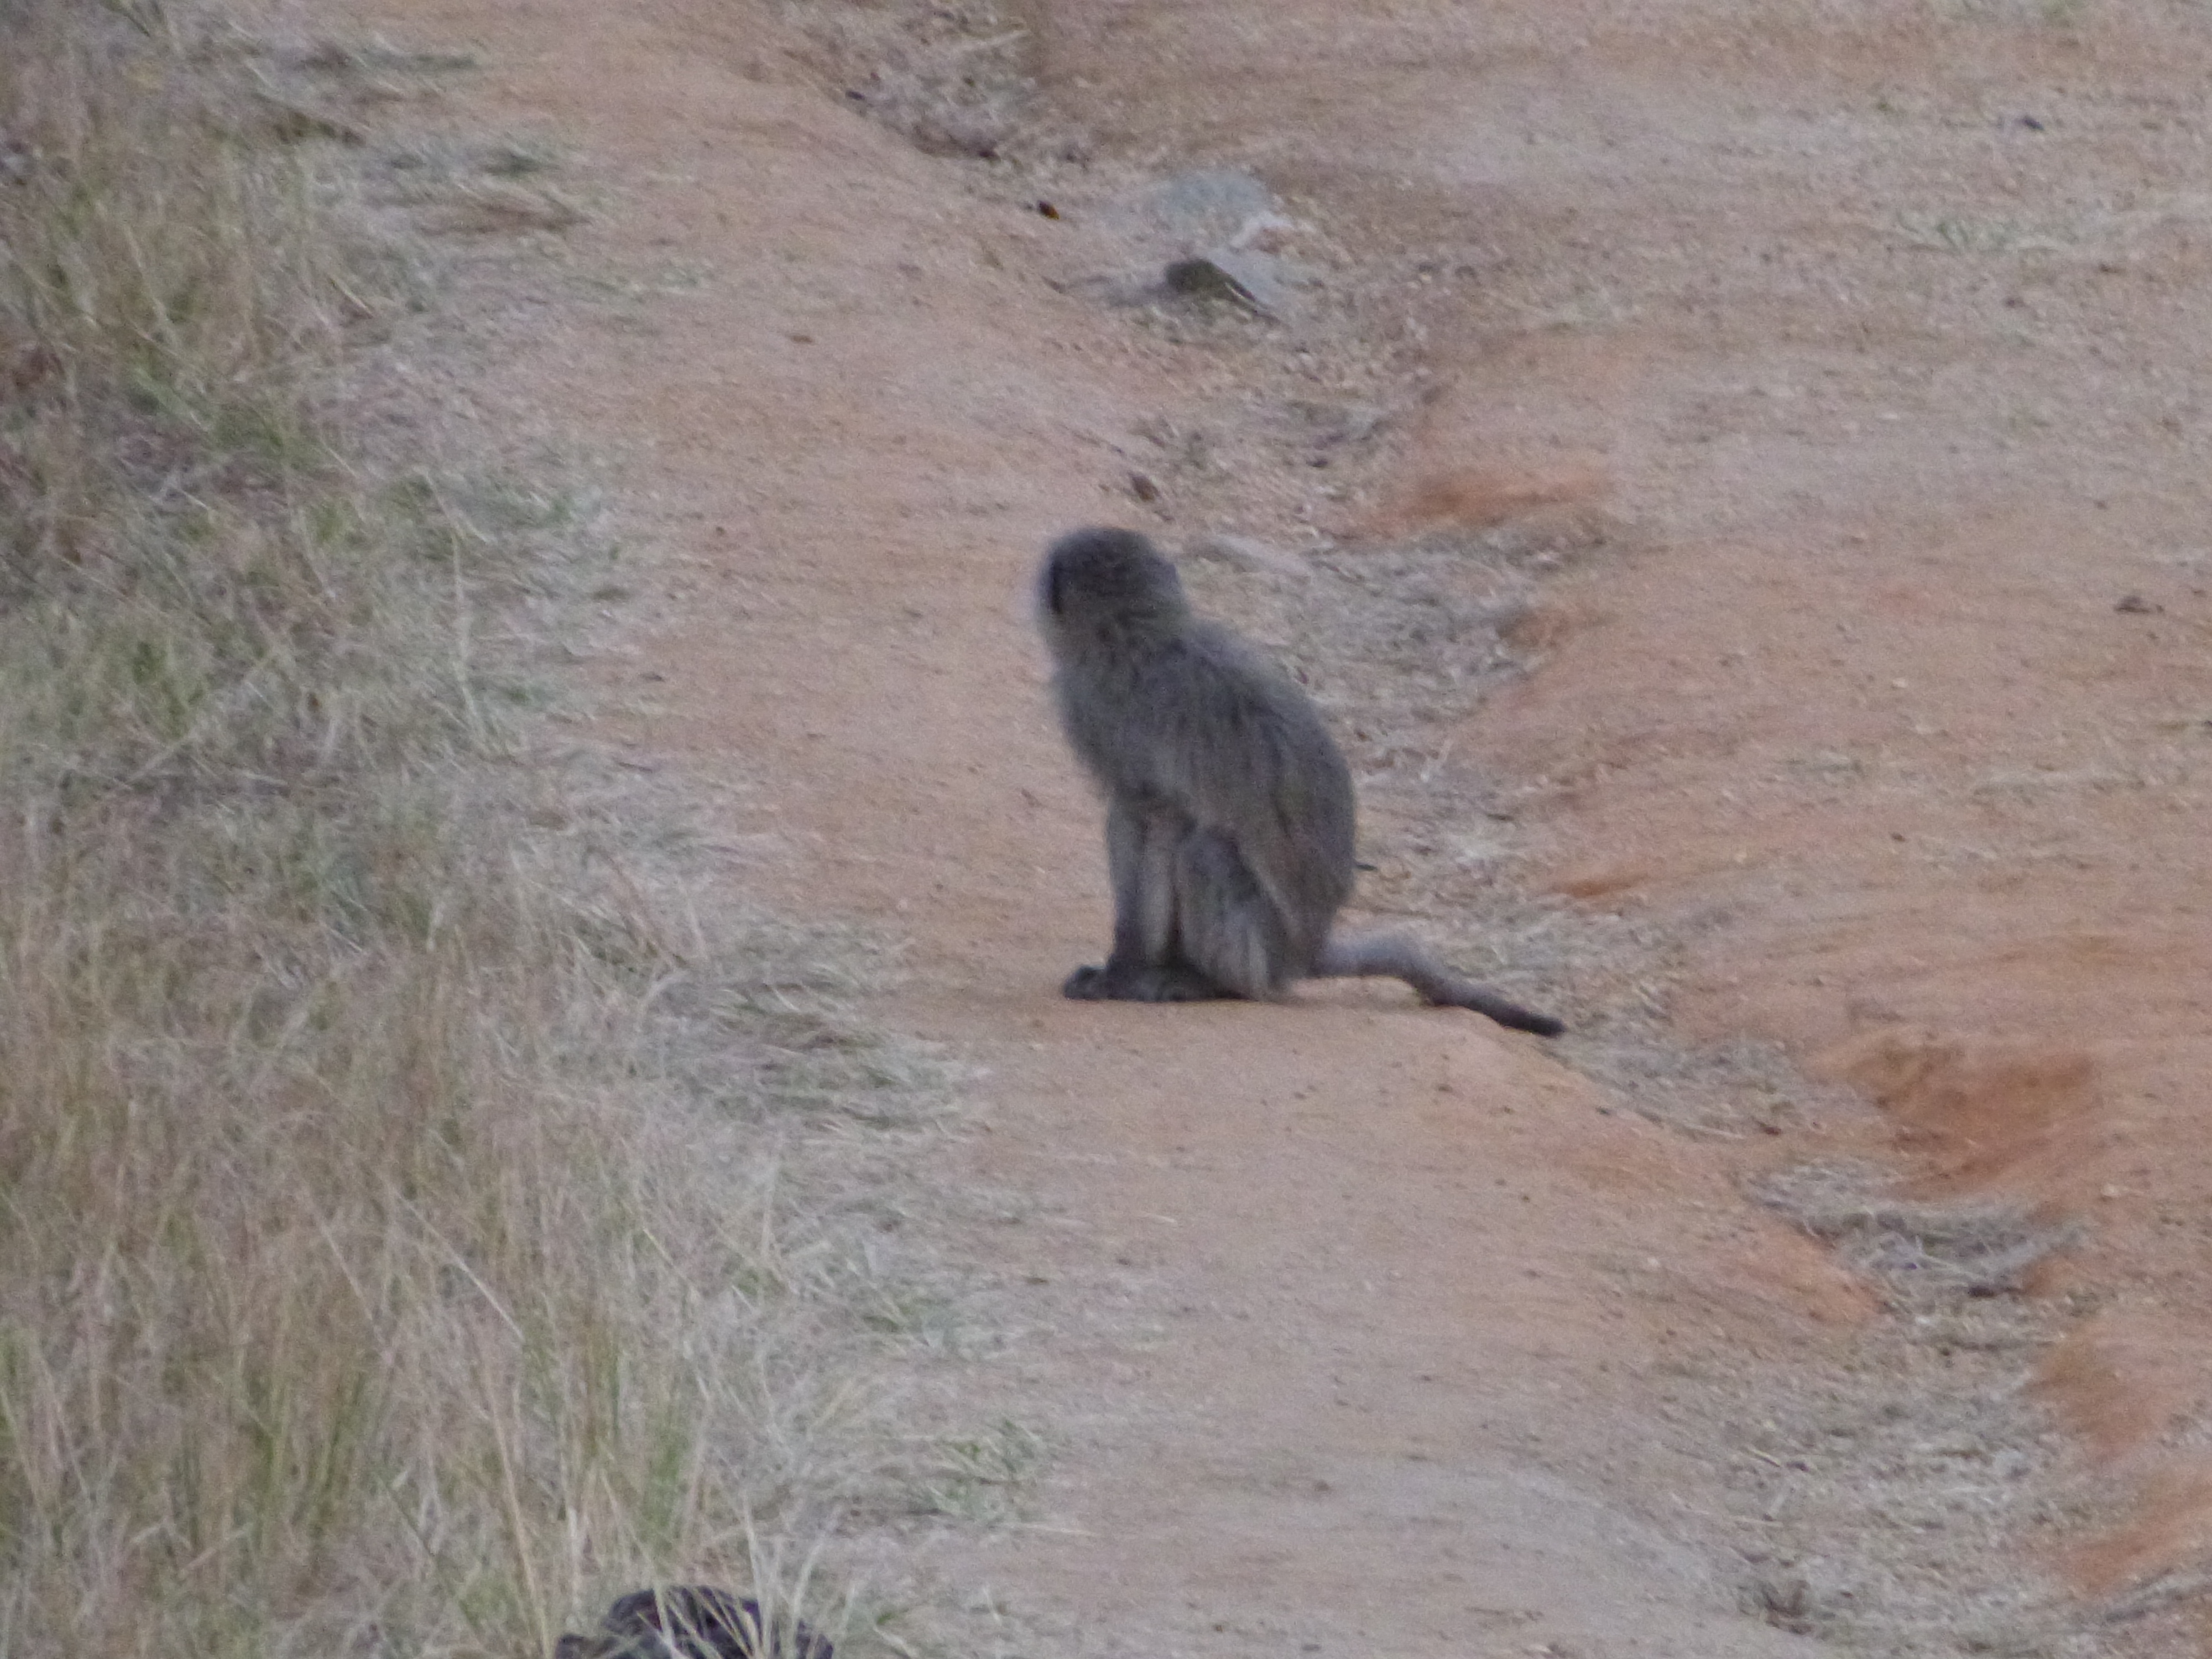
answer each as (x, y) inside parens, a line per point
(1229, 807)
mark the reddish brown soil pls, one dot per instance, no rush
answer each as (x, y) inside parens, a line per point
(1844, 367)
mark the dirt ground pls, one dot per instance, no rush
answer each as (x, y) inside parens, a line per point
(1733, 474)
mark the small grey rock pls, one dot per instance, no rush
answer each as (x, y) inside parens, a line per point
(1254, 281)
(1201, 278)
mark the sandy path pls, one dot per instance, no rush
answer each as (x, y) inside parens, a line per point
(1887, 331)
(1356, 1326)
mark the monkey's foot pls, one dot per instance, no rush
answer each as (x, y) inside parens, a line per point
(1150, 984)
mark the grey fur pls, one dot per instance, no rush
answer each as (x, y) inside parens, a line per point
(1230, 812)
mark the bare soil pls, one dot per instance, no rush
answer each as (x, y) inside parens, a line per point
(1734, 474)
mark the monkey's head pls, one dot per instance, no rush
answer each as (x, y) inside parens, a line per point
(1108, 588)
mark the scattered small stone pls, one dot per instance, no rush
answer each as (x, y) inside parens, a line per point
(1142, 487)
(1047, 210)
(693, 1621)
(2136, 606)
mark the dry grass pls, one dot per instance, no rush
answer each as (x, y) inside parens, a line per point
(1916, 1251)
(369, 1286)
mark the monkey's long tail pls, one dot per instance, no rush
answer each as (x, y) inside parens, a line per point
(1391, 956)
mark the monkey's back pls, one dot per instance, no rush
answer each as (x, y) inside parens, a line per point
(1200, 722)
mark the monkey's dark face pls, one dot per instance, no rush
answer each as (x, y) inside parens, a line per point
(1108, 576)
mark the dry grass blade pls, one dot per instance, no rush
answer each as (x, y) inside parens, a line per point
(1978, 1246)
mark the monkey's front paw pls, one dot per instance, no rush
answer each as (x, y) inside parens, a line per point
(1142, 983)
(1088, 985)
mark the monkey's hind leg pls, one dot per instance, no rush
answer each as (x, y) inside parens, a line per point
(1143, 847)
(1388, 955)
(1226, 923)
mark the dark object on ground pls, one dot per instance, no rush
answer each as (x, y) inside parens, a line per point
(1203, 278)
(693, 1621)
